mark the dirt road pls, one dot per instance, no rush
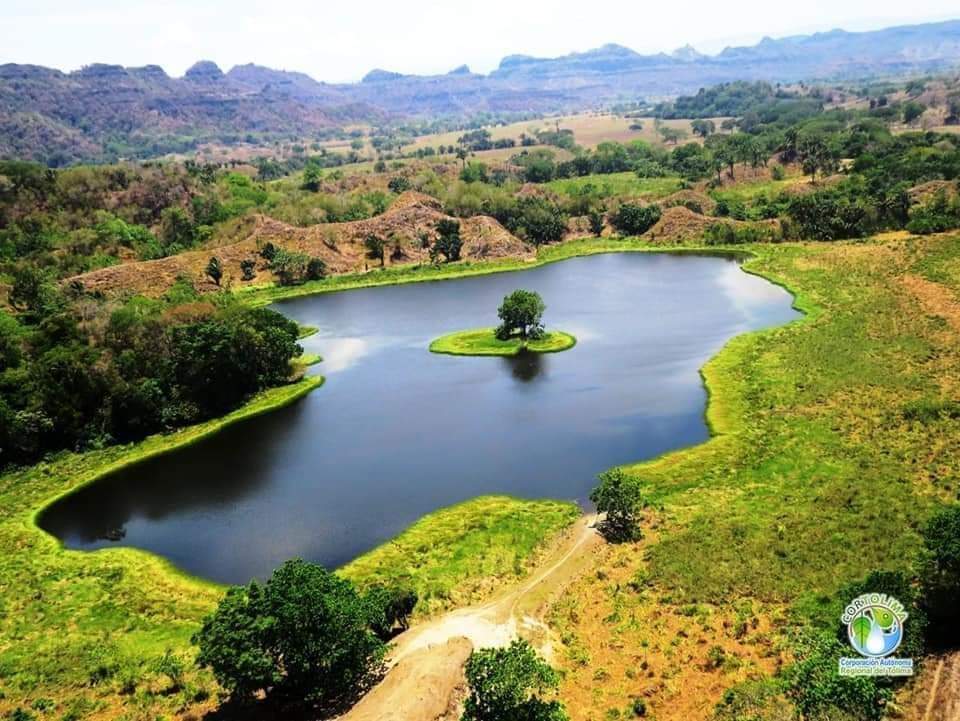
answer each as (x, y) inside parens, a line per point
(425, 677)
(937, 695)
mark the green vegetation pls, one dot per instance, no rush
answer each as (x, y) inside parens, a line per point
(454, 556)
(521, 314)
(86, 375)
(615, 185)
(506, 684)
(484, 341)
(305, 634)
(620, 500)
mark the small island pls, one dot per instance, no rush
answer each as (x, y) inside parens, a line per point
(520, 330)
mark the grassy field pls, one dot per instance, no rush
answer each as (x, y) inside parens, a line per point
(814, 477)
(589, 130)
(457, 555)
(618, 185)
(483, 341)
(751, 190)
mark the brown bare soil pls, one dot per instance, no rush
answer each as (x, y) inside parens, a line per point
(925, 192)
(935, 694)
(682, 197)
(340, 245)
(679, 224)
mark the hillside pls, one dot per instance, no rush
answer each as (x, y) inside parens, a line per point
(106, 112)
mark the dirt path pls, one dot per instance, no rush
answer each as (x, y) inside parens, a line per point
(937, 694)
(425, 677)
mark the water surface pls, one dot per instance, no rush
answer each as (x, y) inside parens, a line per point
(397, 432)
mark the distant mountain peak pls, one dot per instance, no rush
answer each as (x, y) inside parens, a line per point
(379, 75)
(687, 52)
(204, 71)
(461, 70)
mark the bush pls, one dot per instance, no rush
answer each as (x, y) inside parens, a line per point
(304, 634)
(936, 216)
(940, 574)
(632, 219)
(621, 499)
(505, 684)
(398, 184)
(389, 608)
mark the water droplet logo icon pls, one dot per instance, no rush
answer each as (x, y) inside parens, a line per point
(875, 641)
(875, 624)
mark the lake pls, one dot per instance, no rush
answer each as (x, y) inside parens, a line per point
(397, 432)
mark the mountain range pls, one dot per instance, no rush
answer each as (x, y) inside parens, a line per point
(109, 111)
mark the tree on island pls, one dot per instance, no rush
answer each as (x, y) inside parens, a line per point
(621, 499)
(521, 313)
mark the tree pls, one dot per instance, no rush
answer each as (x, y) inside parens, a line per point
(248, 268)
(312, 177)
(940, 575)
(462, 155)
(521, 312)
(621, 500)
(375, 246)
(30, 289)
(389, 608)
(703, 127)
(596, 219)
(912, 110)
(670, 135)
(542, 220)
(506, 684)
(633, 219)
(448, 243)
(816, 155)
(214, 270)
(177, 232)
(316, 269)
(304, 634)
(290, 267)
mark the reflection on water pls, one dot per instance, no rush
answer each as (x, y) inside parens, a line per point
(526, 367)
(397, 432)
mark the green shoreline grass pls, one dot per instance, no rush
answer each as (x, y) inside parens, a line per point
(484, 342)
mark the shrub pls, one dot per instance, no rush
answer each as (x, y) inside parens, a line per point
(936, 216)
(506, 683)
(633, 219)
(940, 574)
(398, 184)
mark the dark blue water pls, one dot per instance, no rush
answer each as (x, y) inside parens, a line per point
(398, 432)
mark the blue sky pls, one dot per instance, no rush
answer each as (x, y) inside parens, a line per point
(340, 41)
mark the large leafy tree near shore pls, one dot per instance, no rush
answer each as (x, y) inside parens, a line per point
(304, 634)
